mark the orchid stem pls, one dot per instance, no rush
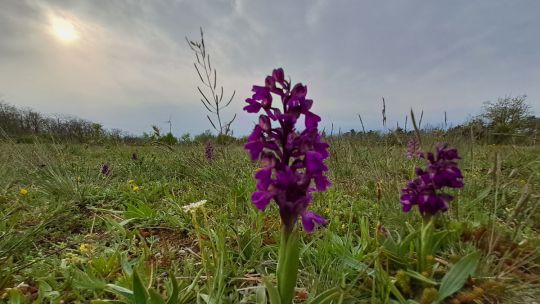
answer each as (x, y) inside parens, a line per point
(288, 261)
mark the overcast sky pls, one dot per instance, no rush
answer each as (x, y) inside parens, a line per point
(131, 67)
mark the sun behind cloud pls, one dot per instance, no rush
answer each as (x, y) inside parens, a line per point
(63, 29)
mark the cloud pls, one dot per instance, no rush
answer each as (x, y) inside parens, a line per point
(132, 67)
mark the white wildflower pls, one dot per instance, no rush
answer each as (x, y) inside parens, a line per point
(193, 206)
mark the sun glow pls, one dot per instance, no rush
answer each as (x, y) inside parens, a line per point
(64, 30)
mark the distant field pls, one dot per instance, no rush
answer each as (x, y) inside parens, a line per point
(76, 230)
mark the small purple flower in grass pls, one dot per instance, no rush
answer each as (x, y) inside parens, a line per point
(292, 160)
(105, 169)
(413, 148)
(425, 189)
(209, 151)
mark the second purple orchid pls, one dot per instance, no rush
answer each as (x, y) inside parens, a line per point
(425, 189)
(292, 161)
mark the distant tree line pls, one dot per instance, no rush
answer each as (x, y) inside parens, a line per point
(509, 120)
(186, 138)
(25, 125)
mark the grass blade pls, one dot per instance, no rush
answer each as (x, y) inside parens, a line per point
(455, 278)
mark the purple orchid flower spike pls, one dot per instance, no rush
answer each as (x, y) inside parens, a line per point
(292, 160)
(413, 148)
(424, 190)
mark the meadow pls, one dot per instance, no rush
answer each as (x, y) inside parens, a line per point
(72, 231)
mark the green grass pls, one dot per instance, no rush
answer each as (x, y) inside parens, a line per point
(78, 235)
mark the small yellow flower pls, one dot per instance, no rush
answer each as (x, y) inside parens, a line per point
(136, 188)
(23, 191)
(84, 248)
(343, 226)
(131, 181)
(327, 210)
